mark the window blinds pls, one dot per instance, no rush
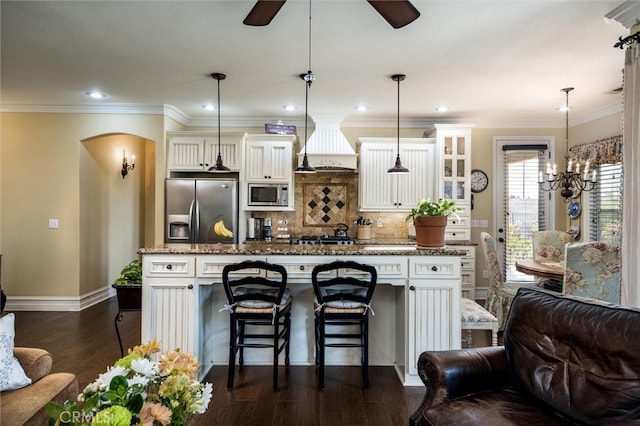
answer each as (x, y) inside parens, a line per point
(606, 204)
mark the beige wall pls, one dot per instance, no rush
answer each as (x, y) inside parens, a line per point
(43, 171)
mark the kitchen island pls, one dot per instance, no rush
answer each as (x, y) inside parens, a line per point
(416, 305)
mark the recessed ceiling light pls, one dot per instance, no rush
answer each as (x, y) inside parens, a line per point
(442, 108)
(361, 108)
(96, 95)
(209, 107)
(289, 108)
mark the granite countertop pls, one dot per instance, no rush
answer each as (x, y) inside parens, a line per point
(262, 248)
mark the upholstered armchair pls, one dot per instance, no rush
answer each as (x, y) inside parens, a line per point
(592, 269)
(548, 247)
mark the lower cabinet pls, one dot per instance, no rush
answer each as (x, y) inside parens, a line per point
(416, 304)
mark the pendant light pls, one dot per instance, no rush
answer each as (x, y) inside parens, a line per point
(219, 166)
(398, 168)
(308, 78)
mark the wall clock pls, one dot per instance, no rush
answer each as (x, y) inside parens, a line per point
(479, 180)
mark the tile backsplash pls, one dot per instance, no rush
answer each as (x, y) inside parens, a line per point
(322, 200)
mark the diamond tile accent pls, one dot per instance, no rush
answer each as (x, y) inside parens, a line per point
(326, 205)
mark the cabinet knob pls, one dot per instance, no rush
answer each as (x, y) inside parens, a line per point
(169, 267)
(302, 267)
(434, 268)
(190, 286)
(412, 288)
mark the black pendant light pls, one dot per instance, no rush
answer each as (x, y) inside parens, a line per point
(398, 168)
(219, 166)
(308, 78)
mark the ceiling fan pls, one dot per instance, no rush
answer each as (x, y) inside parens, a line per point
(398, 13)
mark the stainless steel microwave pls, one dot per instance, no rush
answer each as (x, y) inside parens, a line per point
(265, 194)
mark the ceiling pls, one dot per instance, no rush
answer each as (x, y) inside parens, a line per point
(493, 62)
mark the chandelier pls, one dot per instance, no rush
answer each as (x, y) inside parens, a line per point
(573, 181)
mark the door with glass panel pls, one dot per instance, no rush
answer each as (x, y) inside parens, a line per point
(520, 206)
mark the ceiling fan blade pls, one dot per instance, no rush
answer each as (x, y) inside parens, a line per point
(263, 12)
(397, 12)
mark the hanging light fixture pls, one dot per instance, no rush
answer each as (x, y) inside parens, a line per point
(398, 168)
(308, 78)
(572, 181)
(219, 166)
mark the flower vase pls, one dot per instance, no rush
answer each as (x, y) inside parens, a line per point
(430, 230)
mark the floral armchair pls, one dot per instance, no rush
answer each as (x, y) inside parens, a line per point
(548, 246)
(500, 294)
(593, 270)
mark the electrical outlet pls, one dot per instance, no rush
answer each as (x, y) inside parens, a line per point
(485, 273)
(379, 222)
(475, 223)
(53, 223)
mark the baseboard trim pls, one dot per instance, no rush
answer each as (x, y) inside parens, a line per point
(74, 304)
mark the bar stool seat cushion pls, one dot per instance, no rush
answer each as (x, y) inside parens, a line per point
(472, 312)
(261, 304)
(344, 304)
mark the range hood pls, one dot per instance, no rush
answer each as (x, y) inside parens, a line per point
(327, 148)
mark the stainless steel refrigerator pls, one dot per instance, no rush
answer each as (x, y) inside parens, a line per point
(201, 211)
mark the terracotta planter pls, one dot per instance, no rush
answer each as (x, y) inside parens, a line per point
(430, 230)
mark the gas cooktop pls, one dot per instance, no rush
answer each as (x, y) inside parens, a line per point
(325, 239)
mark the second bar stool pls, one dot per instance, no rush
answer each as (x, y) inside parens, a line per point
(257, 300)
(341, 303)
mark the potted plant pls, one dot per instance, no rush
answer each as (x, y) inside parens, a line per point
(430, 221)
(129, 286)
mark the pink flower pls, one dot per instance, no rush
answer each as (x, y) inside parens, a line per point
(152, 412)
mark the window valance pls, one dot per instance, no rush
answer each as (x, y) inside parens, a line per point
(603, 151)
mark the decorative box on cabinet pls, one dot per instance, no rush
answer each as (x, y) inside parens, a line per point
(381, 191)
(197, 151)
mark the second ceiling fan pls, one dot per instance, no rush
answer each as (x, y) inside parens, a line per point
(398, 13)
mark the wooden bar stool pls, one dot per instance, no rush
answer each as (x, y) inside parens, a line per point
(342, 302)
(256, 299)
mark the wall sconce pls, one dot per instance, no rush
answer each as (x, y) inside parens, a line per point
(126, 166)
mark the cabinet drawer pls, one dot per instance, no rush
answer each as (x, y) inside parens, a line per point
(468, 264)
(457, 234)
(434, 267)
(168, 266)
(387, 267)
(300, 267)
(461, 221)
(212, 266)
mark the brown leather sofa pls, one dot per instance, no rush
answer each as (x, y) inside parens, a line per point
(565, 361)
(25, 406)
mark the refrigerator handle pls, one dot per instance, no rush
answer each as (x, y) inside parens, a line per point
(191, 234)
(196, 237)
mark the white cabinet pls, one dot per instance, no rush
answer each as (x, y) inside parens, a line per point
(269, 158)
(197, 151)
(432, 309)
(381, 191)
(468, 272)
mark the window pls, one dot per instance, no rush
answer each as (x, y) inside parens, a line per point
(522, 207)
(605, 204)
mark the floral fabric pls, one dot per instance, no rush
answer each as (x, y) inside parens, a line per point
(548, 246)
(593, 270)
(604, 151)
(500, 294)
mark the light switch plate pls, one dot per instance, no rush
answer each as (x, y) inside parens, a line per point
(53, 223)
(475, 223)
(484, 223)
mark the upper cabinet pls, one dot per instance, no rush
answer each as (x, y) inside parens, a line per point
(269, 158)
(381, 191)
(454, 165)
(197, 151)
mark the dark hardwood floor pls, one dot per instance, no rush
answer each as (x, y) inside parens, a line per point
(85, 343)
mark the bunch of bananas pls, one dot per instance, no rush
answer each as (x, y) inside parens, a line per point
(222, 230)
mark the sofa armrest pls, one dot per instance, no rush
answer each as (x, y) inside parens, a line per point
(35, 362)
(452, 374)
